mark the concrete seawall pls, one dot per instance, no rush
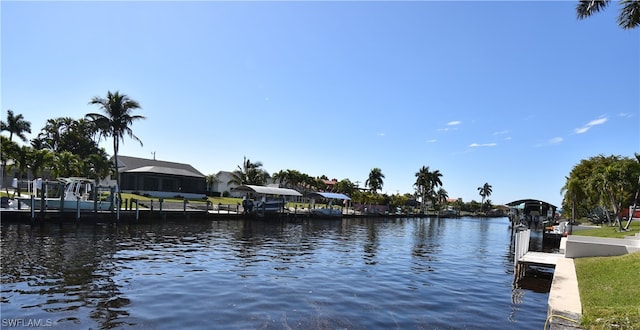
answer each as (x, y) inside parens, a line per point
(565, 308)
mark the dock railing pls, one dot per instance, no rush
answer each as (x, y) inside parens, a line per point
(521, 245)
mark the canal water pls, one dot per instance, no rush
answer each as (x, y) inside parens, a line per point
(394, 273)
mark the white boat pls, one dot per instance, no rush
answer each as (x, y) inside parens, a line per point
(77, 194)
(329, 211)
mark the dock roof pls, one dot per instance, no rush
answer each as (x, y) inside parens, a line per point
(331, 195)
(268, 190)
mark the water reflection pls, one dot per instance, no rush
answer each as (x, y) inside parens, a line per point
(354, 273)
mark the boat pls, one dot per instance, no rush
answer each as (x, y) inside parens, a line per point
(326, 212)
(271, 203)
(6, 203)
(329, 211)
(449, 212)
(77, 194)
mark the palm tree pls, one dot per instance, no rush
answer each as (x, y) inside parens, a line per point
(485, 191)
(426, 184)
(375, 182)
(66, 164)
(441, 198)
(249, 173)
(573, 191)
(422, 183)
(15, 125)
(116, 121)
(211, 180)
(628, 18)
(22, 159)
(41, 159)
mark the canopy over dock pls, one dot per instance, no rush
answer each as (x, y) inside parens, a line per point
(268, 190)
(529, 206)
(330, 195)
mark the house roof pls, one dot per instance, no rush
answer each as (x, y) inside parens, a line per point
(142, 165)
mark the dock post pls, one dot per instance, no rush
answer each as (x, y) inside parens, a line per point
(117, 199)
(521, 248)
(184, 206)
(137, 209)
(77, 209)
(33, 207)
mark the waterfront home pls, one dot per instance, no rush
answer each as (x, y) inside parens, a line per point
(159, 178)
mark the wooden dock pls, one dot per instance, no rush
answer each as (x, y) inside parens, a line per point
(524, 258)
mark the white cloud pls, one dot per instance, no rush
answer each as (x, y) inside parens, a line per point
(581, 130)
(500, 132)
(597, 122)
(453, 123)
(552, 141)
(590, 124)
(380, 134)
(432, 141)
(475, 145)
(625, 115)
(556, 140)
(508, 138)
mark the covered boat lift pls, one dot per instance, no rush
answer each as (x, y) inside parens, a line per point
(328, 195)
(273, 206)
(328, 211)
(264, 190)
(523, 208)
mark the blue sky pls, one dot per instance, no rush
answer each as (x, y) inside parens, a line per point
(510, 93)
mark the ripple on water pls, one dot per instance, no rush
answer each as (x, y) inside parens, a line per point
(355, 274)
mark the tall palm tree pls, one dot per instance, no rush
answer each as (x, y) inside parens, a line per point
(426, 184)
(628, 18)
(375, 182)
(422, 183)
(115, 121)
(15, 124)
(485, 191)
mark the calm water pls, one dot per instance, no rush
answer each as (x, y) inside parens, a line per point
(306, 274)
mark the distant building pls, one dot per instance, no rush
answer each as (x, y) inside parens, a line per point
(223, 186)
(160, 178)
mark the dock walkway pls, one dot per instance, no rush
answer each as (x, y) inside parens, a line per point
(564, 306)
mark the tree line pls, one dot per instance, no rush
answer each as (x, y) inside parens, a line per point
(67, 147)
(599, 188)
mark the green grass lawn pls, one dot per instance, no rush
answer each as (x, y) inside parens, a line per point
(610, 231)
(610, 291)
(609, 286)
